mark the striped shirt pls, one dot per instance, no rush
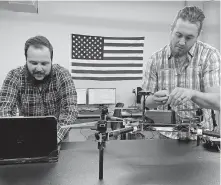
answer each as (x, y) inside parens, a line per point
(57, 96)
(200, 70)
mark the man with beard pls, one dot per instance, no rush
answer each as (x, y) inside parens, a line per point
(40, 88)
(185, 74)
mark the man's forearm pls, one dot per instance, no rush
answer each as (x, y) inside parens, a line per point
(67, 117)
(207, 100)
(61, 133)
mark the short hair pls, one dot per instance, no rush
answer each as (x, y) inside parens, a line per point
(191, 13)
(38, 41)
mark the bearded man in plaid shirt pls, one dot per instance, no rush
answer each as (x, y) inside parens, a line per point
(184, 74)
(40, 88)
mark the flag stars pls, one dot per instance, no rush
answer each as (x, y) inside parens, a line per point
(87, 47)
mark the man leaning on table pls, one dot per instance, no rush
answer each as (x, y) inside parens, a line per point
(40, 88)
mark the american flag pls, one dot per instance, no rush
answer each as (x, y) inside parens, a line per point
(106, 58)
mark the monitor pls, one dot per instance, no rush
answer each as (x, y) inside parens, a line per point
(98, 96)
(81, 96)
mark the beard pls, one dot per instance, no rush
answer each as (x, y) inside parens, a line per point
(34, 80)
(177, 53)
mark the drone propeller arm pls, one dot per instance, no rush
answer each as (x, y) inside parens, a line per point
(211, 133)
(122, 131)
(81, 125)
(114, 118)
(89, 125)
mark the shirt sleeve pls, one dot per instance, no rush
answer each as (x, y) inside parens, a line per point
(211, 72)
(8, 95)
(68, 109)
(149, 82)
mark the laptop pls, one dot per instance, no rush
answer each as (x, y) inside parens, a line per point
(28, 140)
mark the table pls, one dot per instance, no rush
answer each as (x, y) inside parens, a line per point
(126, 162)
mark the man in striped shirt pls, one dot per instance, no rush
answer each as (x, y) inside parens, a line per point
(39, 88)
(185, 72)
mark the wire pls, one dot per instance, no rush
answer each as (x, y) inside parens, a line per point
(218, 147)
(140, 135)
(135, 102)
(86, 137)
(153, 135)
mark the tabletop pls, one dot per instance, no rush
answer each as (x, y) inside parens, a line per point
(126, 162)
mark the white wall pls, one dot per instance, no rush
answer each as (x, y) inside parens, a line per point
(211, 27)
(149, 19)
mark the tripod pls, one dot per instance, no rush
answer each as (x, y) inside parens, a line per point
(102, 136)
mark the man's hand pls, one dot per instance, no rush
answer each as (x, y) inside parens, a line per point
(179, 96)
(161, 97)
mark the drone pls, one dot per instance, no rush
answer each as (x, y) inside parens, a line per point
(129, 125)
(185, 128)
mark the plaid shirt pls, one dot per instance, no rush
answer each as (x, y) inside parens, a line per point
(57, 96)
(200, 70)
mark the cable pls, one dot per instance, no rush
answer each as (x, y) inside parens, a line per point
(83, 134)
(140, 135)
(218, 147)
(153, 136)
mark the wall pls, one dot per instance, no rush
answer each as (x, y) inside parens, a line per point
(211, 27)
(149, 19)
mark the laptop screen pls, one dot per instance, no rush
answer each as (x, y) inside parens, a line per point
(27, 137)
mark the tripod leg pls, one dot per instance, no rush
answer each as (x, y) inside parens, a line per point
(101, 160)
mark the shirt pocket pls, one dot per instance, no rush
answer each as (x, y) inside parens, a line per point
(166, 79)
